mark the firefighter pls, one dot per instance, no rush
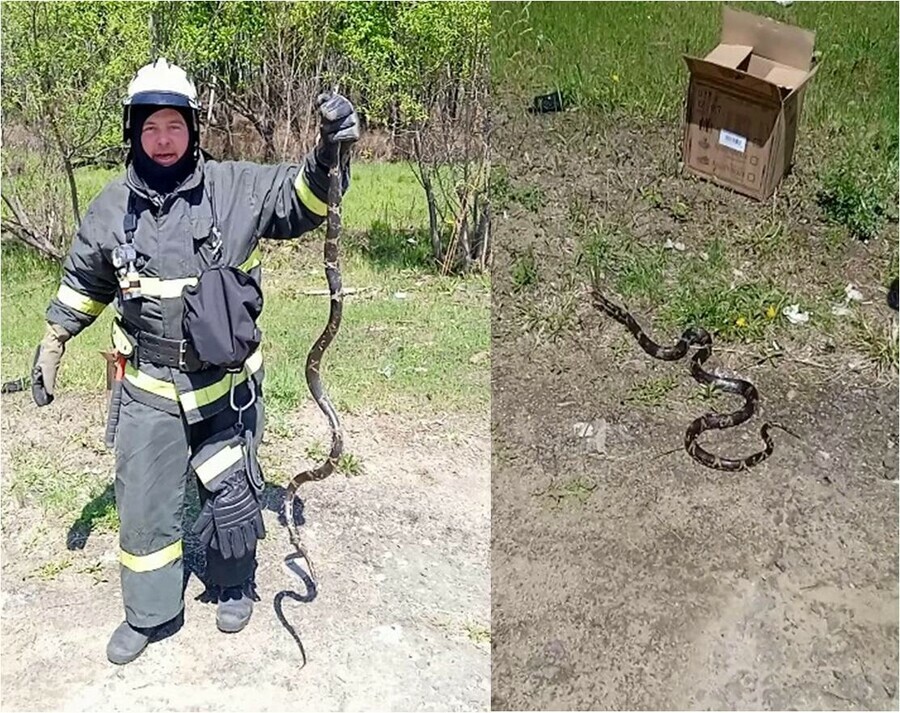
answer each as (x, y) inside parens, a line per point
(174, 242)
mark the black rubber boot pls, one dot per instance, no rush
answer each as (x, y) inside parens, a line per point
(234, 609)
(127, 643)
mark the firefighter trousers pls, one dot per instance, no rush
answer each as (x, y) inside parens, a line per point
(153, 448)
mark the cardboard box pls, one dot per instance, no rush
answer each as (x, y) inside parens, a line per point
(744, 101)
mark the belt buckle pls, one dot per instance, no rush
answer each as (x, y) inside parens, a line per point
(182, 353)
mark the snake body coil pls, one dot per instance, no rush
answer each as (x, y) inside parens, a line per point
(699, 337)
(314, 361)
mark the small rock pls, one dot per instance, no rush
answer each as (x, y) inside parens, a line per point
(583, 430)
(840, 310)
(852, 293)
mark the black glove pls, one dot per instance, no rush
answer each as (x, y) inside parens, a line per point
(340, 124)
(231, 520)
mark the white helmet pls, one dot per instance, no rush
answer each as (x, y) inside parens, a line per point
(161, 84)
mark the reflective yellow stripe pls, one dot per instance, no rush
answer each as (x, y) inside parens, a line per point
(154, 287)
(78, 301)
(155, 560)
(252, 261)
(148, 383)
(120, 340)
(220, 462)
(192, 400)
(308, 198)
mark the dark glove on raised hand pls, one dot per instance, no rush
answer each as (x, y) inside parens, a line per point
(46, 363)
(339, 124)
(231, 520)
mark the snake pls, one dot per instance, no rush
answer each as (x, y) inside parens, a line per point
(699, 337)
(314, 362)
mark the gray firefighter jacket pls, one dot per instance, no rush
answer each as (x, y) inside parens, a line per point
(175, 241)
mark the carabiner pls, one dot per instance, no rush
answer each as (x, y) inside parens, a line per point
(240, 410)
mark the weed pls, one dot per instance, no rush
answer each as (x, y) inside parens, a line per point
(680, 210)
(100, 514)
(741, 313)
(878, 343)
(94, 569)
(636, 271)
(524, 270)
(531, 198)
(768, 239)
(478, 633)
(348, 464)
(500, 188)
(51, 570)
(653, 391)
(579, 489)
(852, 201)
(707, 393)
(652, 195)
(551, 315)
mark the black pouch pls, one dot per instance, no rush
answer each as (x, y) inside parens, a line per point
(220, 314)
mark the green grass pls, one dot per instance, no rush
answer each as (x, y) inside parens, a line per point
(50, 570)
(630, 54)
(524, 270)
(578, 489)
(691, 289)
(407, 341)
(652, 392)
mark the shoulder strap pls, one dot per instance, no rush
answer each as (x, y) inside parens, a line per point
(216, 235)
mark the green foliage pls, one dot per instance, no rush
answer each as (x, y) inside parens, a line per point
(213, 39)
(852, 199)
(76, 59)
(399, 55)
(67, 65)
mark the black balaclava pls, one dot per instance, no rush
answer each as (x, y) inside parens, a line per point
(162, 179)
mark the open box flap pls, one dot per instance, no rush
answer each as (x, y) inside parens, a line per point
(734, 79)
(732, 56)
(781, 43)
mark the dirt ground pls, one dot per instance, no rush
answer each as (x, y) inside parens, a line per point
(625, 575)
(400, 619)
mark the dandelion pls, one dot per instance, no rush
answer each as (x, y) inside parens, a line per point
(771, 312)
(615, 78)
(741, 321)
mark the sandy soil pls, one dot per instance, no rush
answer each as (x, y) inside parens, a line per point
(400, 619)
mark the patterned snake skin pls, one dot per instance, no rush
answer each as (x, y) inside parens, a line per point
(314, 360)
(699, 337)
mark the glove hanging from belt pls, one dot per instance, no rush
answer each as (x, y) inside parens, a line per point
(231, 518)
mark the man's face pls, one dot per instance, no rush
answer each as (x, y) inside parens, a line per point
(165, 136)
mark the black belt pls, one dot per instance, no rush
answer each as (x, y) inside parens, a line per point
(176, 353)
